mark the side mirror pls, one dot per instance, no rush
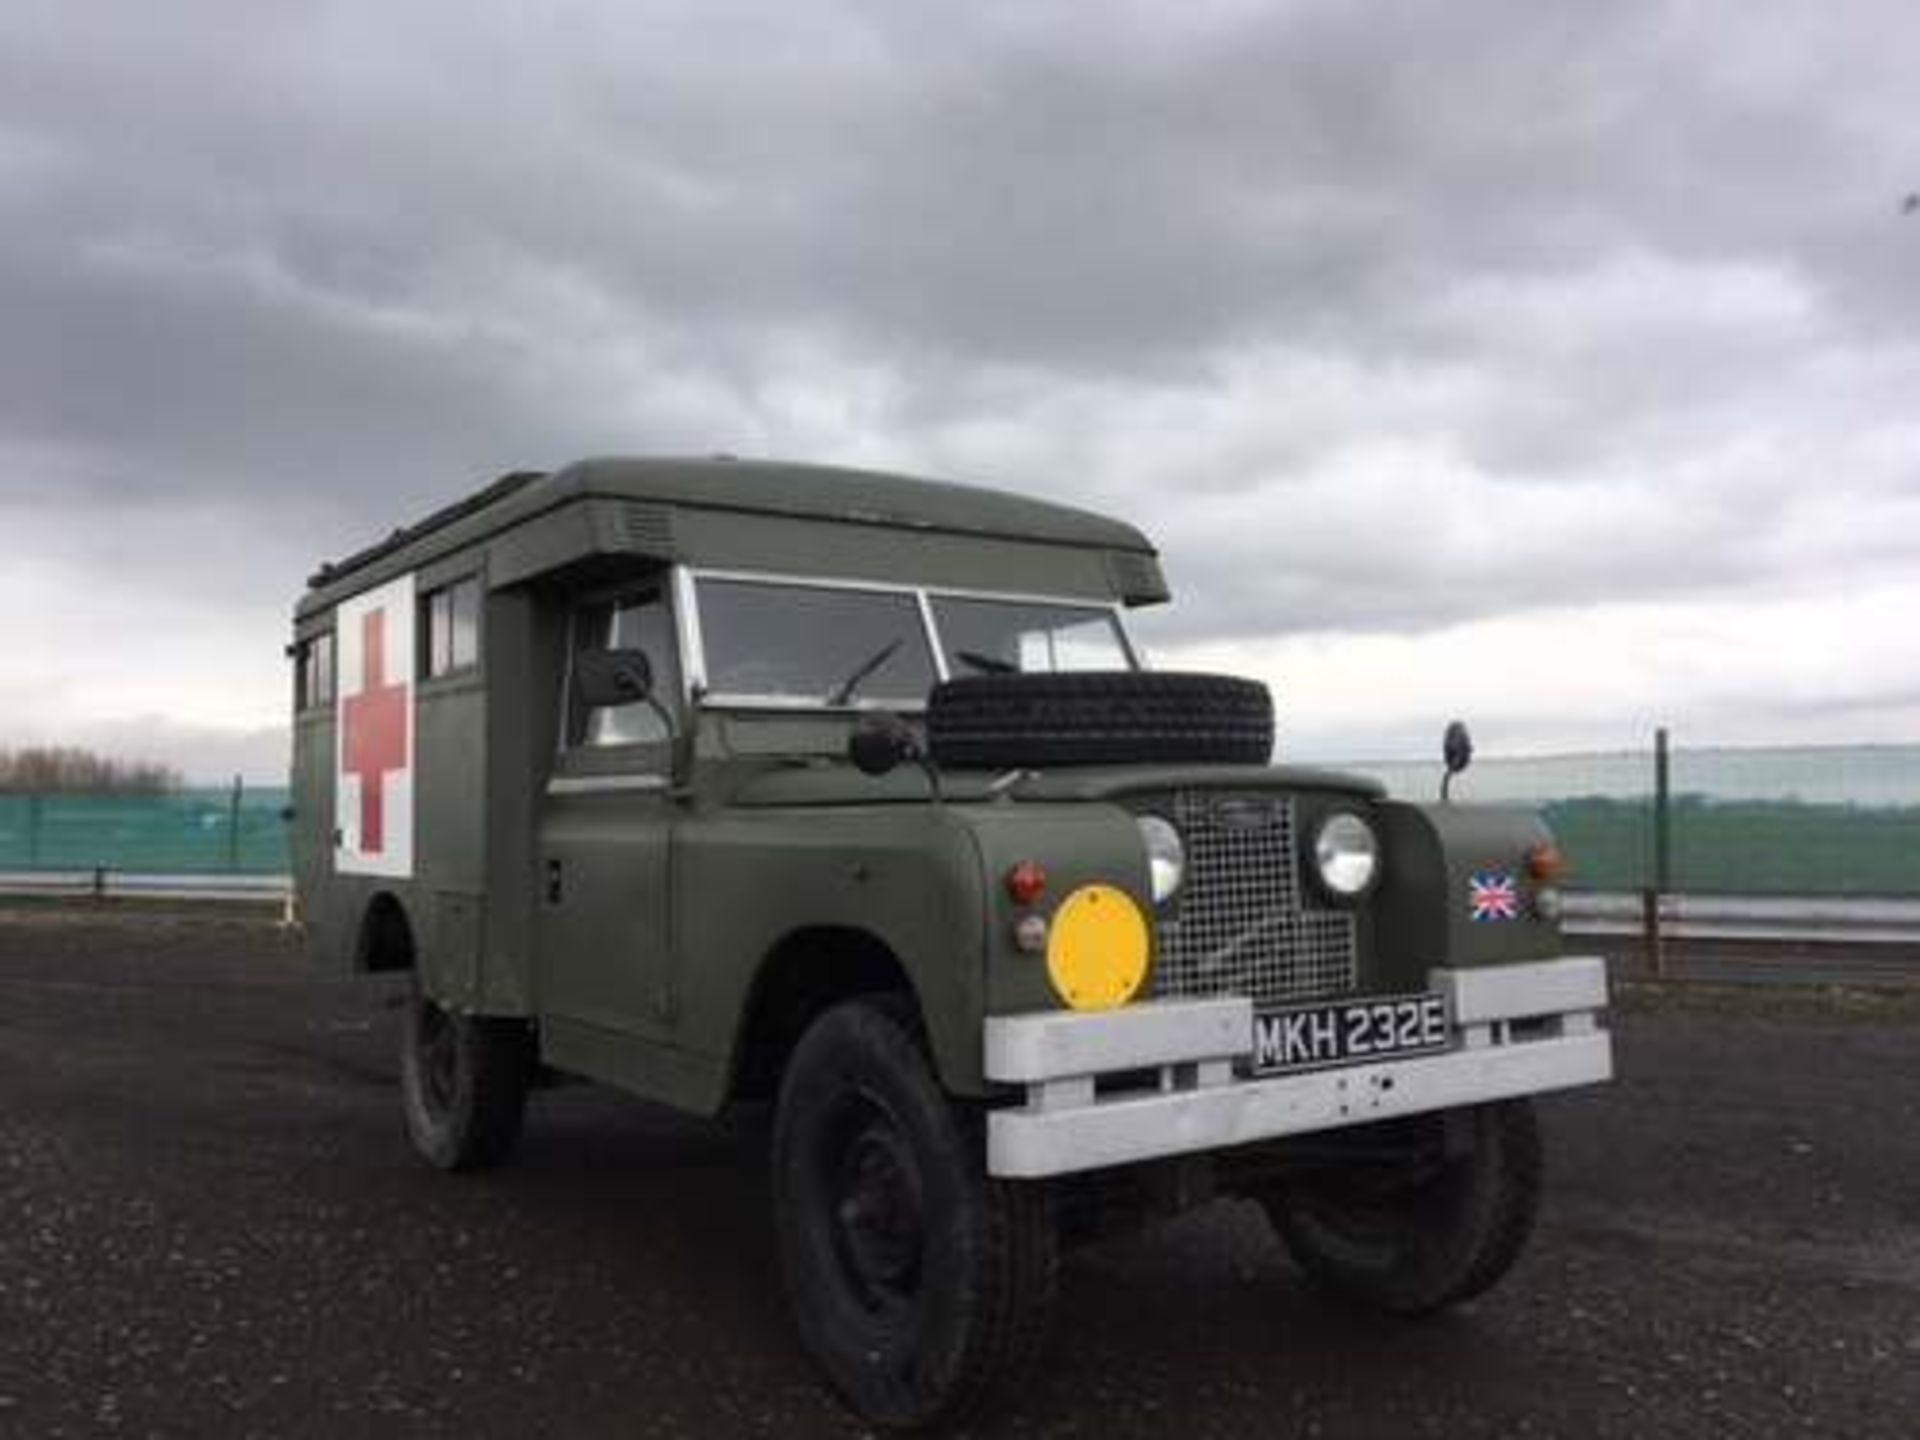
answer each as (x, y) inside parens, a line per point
(879, 742)
(1457, 750)
(612, 677)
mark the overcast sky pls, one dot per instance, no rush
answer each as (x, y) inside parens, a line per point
(1553, 364)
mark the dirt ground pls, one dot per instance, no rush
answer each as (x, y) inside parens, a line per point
(210, 1224)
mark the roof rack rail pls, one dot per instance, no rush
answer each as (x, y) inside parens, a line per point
(510, 483)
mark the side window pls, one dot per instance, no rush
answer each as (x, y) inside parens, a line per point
(313, 672)
(636, 622)
(450, 628)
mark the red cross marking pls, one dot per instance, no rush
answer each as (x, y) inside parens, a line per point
(376, 731)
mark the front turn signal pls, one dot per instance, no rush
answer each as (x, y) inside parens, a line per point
(1547, 864)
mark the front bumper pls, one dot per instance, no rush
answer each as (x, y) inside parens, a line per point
(1515, 1030)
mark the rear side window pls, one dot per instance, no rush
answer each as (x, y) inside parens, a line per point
(313, 672)
(450, 628)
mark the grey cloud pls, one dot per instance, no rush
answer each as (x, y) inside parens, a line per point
(319, 272)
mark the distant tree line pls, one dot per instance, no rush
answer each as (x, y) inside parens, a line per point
(67, 770)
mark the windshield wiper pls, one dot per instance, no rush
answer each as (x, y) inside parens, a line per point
(872, 663)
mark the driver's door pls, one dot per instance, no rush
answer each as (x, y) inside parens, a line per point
(604, 964)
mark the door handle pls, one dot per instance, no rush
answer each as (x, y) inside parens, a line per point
(553, 882)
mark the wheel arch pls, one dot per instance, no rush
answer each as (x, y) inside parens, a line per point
(808, 971)
(386, 940)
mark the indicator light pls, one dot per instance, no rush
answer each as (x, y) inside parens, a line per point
(1547, 864)
(1030, 934)
(1026, 882)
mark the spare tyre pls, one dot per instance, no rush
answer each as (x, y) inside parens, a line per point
(990, 722)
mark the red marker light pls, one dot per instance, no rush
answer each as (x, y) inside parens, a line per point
(1547, 864)
(1026, 882)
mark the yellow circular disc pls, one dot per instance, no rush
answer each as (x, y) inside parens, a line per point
(1097, 948)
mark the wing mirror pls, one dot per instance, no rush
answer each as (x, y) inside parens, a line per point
(1457, 750)
(612, 677)
(879, 742)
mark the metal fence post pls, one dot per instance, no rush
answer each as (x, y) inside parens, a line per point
(233, 827)
(1656, 893)
(1662, 814)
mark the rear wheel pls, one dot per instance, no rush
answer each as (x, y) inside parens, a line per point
(921, 1288)
(1417, 1237)
(463, 1083)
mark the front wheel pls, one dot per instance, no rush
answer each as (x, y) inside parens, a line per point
(921, 1288)
(1415, 1237)
(463, 1084)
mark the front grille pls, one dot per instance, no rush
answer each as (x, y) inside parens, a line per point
(1241, 925)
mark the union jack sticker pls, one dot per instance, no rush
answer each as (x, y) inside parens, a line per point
(1492, 895)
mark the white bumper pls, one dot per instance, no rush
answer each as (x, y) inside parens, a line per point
(1515, 1030)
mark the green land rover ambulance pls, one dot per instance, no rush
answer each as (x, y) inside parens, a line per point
(724, 782)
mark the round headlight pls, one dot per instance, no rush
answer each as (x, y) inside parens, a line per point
(1346, 853)
(1166, 857)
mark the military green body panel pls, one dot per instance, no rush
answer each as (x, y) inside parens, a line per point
(450, 835)
(906, 875)
(1115, 782)
(684, 1079)
(331, 919)
(524, 648)
(544, 545)
(839, 784)
(847, 496)
(1076, 845)
(445, 899)
(310, 793)
(800, 545)
(602, 945)
(777, 544)
(709, 498)
(1422, 908)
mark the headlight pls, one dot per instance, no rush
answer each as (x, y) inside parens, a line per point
(1166, 856)
(1346, 853)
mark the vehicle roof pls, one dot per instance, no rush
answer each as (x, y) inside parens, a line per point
(760, 487)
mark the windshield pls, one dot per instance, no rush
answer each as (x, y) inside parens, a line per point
(984, 637)
(808, 645)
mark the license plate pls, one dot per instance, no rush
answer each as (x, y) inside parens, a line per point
(1349, 1032)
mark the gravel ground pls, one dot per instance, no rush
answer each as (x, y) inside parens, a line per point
(210, 1224)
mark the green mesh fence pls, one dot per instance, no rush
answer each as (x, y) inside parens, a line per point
(186, 832)
(1839, 821)
(1804, 821)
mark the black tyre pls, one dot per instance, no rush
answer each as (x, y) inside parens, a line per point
(1415, 1239)
(1099, 718)
(463, 1083)
(921, 1288)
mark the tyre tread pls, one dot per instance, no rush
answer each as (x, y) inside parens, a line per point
(1014, 1238)
(496, 1064)
(1443, 1270)
(1099, 717)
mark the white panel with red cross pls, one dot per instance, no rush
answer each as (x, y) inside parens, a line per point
(373, 771)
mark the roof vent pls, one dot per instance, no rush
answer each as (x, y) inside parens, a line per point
(645, 528)
(1136, 577)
